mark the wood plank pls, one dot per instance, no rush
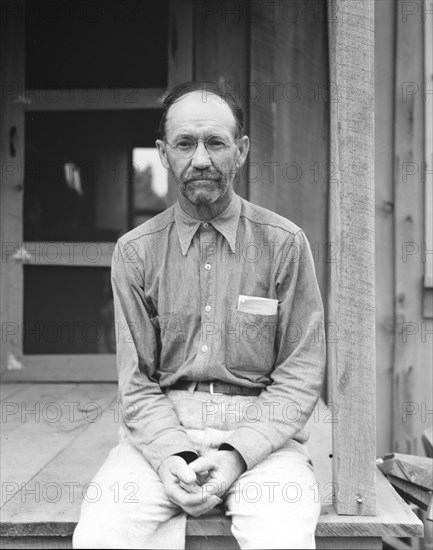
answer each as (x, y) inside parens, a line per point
(63, 478)
(7, 390)
(66, 368)
(413, 353)
(198, 543)
(42, 543)
(28, 405)
(79, 254)
(180, 57)
(351, 296)
(88, 99)
(428, 145)
(42, 436)
(221, 55)
(289, 122)
(384, 199)
(349, 543)
(12, 53)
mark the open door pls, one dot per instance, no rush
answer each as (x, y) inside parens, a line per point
(83, 87)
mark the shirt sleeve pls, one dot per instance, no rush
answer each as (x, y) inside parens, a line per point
(286, 404)
(149, 418)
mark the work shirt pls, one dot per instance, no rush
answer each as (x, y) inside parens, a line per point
(176, 283)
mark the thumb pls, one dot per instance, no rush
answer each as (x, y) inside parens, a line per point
(184, 473)
(202, 464)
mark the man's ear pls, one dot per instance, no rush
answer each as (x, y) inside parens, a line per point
(243, 148)
(162, 151)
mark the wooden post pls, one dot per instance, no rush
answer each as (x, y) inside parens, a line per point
(351, 297)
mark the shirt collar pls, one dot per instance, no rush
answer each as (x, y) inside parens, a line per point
(226, 223)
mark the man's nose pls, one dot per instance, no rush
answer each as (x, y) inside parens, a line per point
(201, 157)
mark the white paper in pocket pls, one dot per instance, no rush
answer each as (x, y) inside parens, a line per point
(257, 305)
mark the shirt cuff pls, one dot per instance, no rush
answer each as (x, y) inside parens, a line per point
(188, 456)
(250, 444)
(167, 445)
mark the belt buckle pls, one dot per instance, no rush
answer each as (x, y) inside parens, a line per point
(212, 391)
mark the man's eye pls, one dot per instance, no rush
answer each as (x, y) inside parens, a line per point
(185, 144)
(216, 143)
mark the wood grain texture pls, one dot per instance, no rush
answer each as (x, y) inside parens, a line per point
(221, 54)
(289, 120)
(7, 390)
(39, 543)
(413, 353)
(12, 184)
(428, 147)
(351, 292)
(349, 543)
(196, 543)
(384, 198)
(50, 423)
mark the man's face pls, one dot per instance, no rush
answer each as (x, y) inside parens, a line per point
(205, 176)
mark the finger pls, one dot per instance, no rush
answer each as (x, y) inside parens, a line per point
(202, 464)
(183, 498)
(183, 472)
(202, 477)
(205, 507)
(190, 487)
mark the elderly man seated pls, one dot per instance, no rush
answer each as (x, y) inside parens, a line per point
(220, 354)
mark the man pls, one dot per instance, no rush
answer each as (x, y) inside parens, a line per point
(220, 354)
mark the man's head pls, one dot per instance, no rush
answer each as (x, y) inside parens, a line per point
(202, 143)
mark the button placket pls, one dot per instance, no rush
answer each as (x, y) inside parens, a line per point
(208, 250)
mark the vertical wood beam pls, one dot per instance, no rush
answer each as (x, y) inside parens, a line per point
(384, 166)
(12, 52)
(412, 346)
(351, 298)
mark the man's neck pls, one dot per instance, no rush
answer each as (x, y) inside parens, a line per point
(205, 212)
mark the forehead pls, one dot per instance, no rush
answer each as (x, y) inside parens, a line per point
(199, 112)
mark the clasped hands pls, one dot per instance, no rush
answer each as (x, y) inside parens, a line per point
(198, 487)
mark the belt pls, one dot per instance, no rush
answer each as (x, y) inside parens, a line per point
(215, 386)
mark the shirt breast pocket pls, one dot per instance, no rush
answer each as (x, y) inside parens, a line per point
(172, 335)
(250, 344)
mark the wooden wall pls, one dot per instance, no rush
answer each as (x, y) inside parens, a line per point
(404, 345)
(384, 163)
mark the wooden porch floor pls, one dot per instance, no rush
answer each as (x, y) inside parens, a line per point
(54, 437)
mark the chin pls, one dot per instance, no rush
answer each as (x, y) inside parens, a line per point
(203, 195)
(202, 198)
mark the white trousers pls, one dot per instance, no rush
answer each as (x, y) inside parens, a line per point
(273, 505)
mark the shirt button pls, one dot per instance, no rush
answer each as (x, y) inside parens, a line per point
(207, 267)
(207, 308)
(204, 349)
(205, 225)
